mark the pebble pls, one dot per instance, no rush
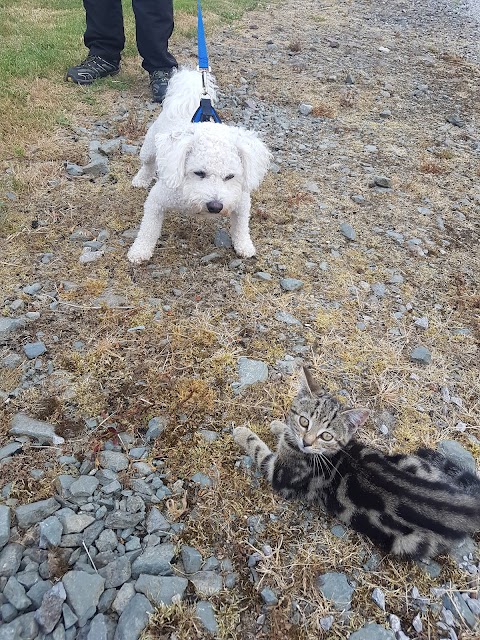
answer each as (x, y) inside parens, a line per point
(372, 631)
(191, 559)
(269, 597)
(207, 583)
(134, 618)
(5, 519)
(287, 318)
(382, 181)
(305, 109)
(113, 460)
(454, 451)
(291, 284)
(206, 614)
(348, 231)
(34, 349)
(50, 611)
(9, 325)
(251, 372)
(30, 514)
(223, 239)
(161, 589)
(43, 432)
(379, 598)
(336, 588)
(421, 354)
(262, 275)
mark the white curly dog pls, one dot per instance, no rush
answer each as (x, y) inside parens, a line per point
(205, 167)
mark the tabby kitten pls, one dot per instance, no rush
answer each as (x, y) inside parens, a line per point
(416, 506)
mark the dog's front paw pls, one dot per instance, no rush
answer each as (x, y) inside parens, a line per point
(138, 181)
(138, 254)
(245, 249)
(241, 434)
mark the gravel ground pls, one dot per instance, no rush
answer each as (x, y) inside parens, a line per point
(123, 493)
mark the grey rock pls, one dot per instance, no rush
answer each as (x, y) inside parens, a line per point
(269, 597)
(4, 525)
(30, 514)
(83, 593)
(422, 355)
(14, 592)
(8, 612)
(9, 325)
(326, 623)
(454, 602)
(207, 583)
(211, 257)
(23, 627)
(116, 573)
(23, 425)
(50, 611)
(305, 109)
(421, 322)
(154, 561)
(76, 522)
(191, 559)
(262, 275)
(106, 600)
(378, 289)
(113, 460)
(336, 588)
(417, 623)
(454, 451)
(134, 618)
(10, 449)
(338, 530)
(34, 349)
(101, 628)
(432, 568)
(456, 120)
(110, 146)
(69, 618)
(84, 486)
(348, 231)
(130, 149)
(156, 426)
(123, 597)
(12, 361)
(206, 614)
(161, 589)
(107, 540)
(291, 284)
(382, 181)
(32, 289)
(372, 631)
(37, 592)
(156, 521)
(98, 165)
(251, 371)
(28, 578)
(223, 239)
(287, 318)
(379, 598)
(358, 199)
(208, 436)
(92, 532)
(202, 479)
(73, 169)
(123, 519)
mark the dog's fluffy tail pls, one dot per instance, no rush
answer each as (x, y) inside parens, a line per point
(184, 93)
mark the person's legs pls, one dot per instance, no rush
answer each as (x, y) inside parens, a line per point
(104, 35)
(154, 26)
(104, 38)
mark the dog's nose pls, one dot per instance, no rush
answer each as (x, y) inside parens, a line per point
(214, 206)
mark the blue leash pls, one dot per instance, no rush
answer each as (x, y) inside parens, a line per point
(205, 112)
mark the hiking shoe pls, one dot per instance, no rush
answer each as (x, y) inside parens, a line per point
(91, 69)
(159, 83)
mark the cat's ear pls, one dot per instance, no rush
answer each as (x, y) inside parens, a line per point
(306, 382)
(354, 419)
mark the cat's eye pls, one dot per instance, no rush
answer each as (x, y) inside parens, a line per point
(229, 177)
(304, 422)
(200, 174)
(326, 436)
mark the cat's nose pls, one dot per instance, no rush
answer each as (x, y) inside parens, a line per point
(214, 206)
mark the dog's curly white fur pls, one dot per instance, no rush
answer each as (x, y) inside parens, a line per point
(201, 168)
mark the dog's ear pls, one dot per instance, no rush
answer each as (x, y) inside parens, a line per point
(171, 154)
(255, 157)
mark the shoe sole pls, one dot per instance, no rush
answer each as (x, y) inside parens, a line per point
(89, 82)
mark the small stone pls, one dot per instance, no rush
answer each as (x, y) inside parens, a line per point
(287, 318)
(83, 593)
(156, 426)
(338, 531)
(202, 479)
(222, 239)
(51, 530)
(206, 615)
(154, 561)
(211, 257)
(251, 371)
(382, 181)
(379, 598)
(269, 597)
(34, 349)
(421, 322)
(32, 289)
(73, 169)
(124, 595)
(386, 113)
(9, 325)
(10, 450)
(4, 525)
(454, 602)
(30, 514)
(50, 611)
(209, 436)
(372, 631)
(336, 588)
(348, 231)
(305, 109)
(207, 583)
(113, 460)
(291, 284)
(379, 289)
(358, 199)
(75, 522)
(161, 589)
(326, 623)
(417, 623)
(14, 592)
(156, 521)
(116, 573)
(123, 520)
(84, 486)
(455, 120)
(191, 559)
(421, 355)
(23, 425)
(134, 618)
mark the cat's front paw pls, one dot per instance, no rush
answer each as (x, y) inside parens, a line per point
(240, 435)
(277, 427)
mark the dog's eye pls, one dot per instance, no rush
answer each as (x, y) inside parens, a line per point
(229, 177)
(200, 174)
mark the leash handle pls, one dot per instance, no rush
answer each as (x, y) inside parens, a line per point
(202, 44)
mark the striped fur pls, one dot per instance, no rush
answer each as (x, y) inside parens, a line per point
(416, 506)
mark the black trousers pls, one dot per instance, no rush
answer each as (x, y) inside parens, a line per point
(105, 35)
